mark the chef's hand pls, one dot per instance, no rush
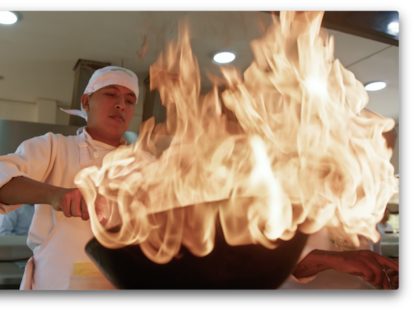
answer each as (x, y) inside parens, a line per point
(393, 275)
(394, 278)
(70, 202)
(367, 264)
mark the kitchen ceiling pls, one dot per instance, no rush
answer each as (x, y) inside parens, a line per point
(38, 53)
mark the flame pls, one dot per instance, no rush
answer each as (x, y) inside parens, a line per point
(302, 155)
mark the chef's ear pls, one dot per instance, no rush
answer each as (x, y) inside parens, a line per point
(85, 101)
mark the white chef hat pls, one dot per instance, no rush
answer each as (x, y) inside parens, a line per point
(110, 75)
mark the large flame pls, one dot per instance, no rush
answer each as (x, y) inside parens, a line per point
(303, 154)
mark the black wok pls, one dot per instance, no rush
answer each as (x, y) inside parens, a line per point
(226, 267)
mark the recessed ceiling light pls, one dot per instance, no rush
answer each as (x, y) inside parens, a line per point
(375, 86)
(394, 27)
(224, 57)
(7, 18)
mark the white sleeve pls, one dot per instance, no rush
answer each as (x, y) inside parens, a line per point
(34, 158)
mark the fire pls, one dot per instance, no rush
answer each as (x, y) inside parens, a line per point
(303, 154)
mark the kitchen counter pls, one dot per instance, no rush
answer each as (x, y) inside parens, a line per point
(13, 248)
(14, 254)
(10, 275)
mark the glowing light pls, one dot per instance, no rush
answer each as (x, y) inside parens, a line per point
(7, 18)
(375, 86)
(394, 27)
(316, 85)
(224, 57)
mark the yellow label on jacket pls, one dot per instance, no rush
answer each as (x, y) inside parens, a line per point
(87, 269)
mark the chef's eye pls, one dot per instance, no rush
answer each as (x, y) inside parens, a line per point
(110, 94)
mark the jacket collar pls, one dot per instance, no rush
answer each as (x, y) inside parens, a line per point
(88, 138)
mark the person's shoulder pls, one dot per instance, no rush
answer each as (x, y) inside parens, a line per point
(59, 137)
(66, 142)
(64, 137)
(49, 139)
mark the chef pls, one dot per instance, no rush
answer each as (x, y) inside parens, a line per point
(42, 172)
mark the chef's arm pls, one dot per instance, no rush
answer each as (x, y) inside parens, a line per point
(23, 190)
(312, 264)
(367, 264)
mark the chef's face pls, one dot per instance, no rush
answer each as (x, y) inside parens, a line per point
(110, 110)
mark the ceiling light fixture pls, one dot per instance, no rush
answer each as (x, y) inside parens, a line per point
(394, 27)
(7, 18)
(375, 86)
(224, 57)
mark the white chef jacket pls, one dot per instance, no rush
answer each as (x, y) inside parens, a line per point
(329, 240)
(55, 159)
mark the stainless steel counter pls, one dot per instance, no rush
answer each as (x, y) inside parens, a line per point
(14, 248)
(10, 275)
(13, 257)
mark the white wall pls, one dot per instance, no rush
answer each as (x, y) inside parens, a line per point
(139, 109)
(48, 110)
(42, 110)
(18, 111)
(62, 118)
